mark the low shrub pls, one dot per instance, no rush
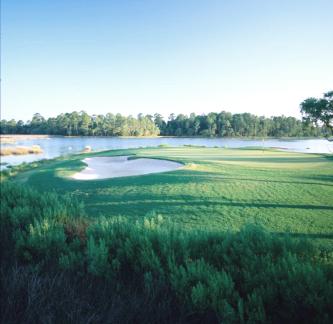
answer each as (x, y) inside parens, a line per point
(250, 276)
(32, 224)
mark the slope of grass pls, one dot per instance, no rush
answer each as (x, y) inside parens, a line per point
(58, 266)
(221, 189)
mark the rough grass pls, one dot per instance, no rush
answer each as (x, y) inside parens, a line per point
(57, 266)
(221, 189)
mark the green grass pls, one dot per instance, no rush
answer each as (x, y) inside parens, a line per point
(220, 189)
(61, 261)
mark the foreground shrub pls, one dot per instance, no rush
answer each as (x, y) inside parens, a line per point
(251, 276)
(33, 225)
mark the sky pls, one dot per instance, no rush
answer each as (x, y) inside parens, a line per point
(175, 56)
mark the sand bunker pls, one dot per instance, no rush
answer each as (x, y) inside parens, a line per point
(120, 166)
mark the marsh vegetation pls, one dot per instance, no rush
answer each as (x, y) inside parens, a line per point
(20, 150)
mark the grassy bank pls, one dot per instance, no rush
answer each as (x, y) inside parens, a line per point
(237, 236)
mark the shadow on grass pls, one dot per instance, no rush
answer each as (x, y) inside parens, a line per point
(45, 180)
(278, 160)
(306, 235)
(296, 182)
(211, 176)
(321, 177)
(139, 201)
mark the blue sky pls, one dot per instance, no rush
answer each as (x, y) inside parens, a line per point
(175, 56)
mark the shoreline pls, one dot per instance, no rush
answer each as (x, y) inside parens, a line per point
(12, 138)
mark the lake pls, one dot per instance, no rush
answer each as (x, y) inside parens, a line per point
(55, 146)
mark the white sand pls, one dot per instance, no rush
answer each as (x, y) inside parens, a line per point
(120, 166)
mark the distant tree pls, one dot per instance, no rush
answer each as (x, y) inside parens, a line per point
(239, 125)
(159, 122)
(223, 123)
(51, 125)
(20, 127)
(211, 124)
(38, 124)
(319, 110)
(8, 127)
(74, 117)
(84, 123)
(150, 117)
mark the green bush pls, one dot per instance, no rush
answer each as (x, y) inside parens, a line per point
(250, 276)
(33, 225)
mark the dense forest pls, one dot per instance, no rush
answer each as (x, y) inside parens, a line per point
(223, 124)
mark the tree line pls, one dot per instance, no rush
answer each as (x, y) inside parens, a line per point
(82, 124)
(222, 124)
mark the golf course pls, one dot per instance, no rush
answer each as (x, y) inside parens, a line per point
(189, 234)
(166, 162)
(219, 189)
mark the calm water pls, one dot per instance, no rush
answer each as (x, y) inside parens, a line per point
(56, 146)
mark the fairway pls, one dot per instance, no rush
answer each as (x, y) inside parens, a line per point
(220, 189)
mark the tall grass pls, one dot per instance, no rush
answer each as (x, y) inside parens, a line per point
(21, 150)
(50, 251)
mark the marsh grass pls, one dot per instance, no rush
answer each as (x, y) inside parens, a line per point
(21, 150)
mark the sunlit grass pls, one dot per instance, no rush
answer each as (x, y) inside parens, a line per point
(218, 188)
